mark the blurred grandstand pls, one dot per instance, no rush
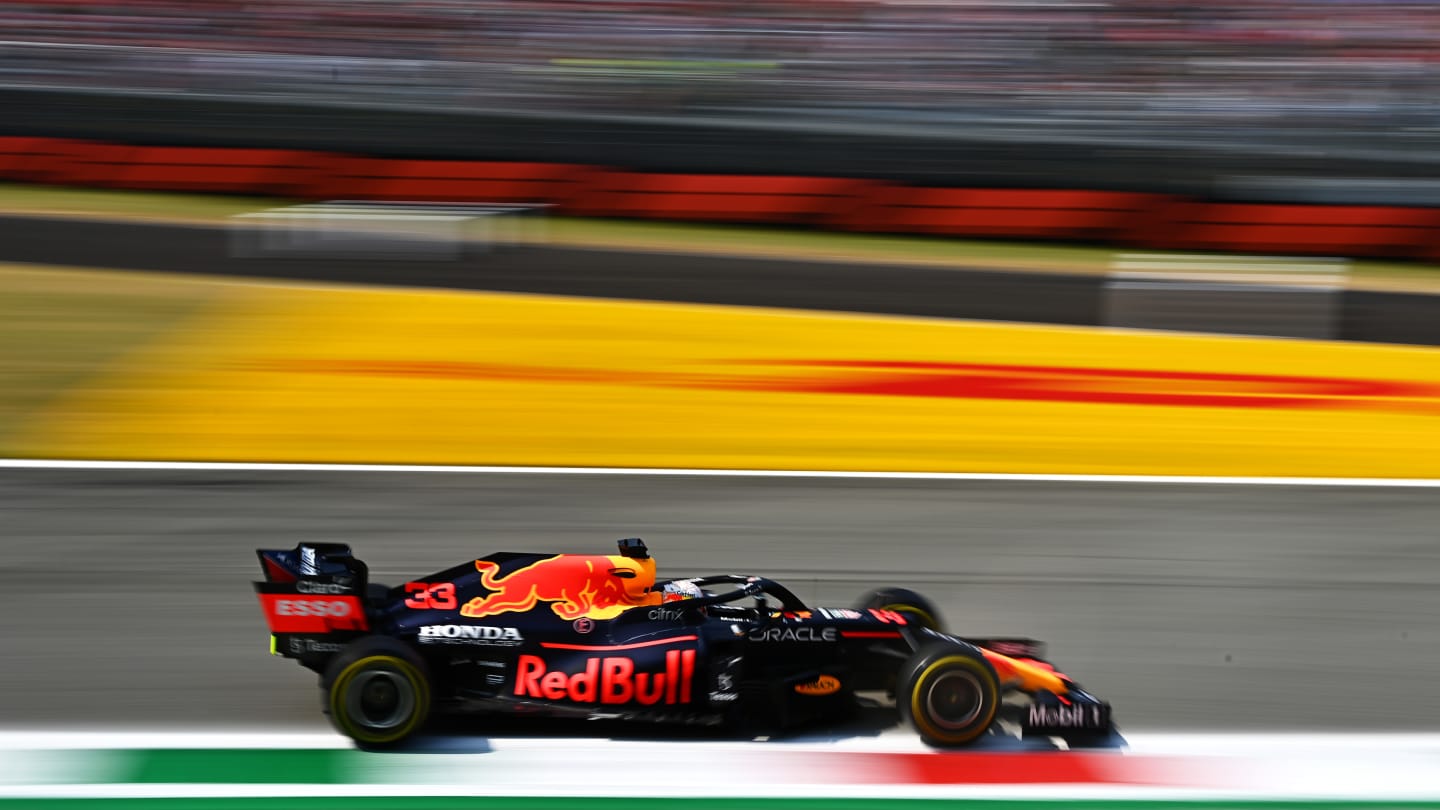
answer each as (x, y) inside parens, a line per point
(1243, 81)
(1280, 68)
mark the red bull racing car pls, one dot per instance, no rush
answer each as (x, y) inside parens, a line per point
(596, 636)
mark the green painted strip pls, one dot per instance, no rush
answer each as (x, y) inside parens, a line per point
(576, 803)
(240, 766)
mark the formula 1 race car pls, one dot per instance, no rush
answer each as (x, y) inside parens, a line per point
(596, 636)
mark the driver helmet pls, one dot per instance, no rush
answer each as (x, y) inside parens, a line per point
(681, 589)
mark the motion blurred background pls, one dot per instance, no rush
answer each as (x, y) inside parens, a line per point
(1271, 67)
(1052, 87)
(839, 153)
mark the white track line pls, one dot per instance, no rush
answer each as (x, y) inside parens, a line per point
(238, 466)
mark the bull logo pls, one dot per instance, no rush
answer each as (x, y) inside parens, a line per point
(577, 586)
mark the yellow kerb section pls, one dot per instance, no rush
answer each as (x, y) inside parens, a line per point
(309, 375)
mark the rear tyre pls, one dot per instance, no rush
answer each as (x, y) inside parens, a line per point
(915, 608)
(949, 694)
(377, 692)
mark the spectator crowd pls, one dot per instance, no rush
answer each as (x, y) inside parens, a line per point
(1290, 61)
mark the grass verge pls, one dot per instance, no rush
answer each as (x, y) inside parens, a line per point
(59, 327)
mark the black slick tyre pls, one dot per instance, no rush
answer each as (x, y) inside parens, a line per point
(377, 692)
(915, 608)
(949, 694)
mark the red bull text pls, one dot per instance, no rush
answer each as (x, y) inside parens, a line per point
(608, 680)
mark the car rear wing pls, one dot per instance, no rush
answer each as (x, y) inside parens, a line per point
(314, 588)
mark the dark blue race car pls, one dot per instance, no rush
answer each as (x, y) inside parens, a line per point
(597, 636)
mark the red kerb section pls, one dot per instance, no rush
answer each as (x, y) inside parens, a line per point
(1015, 768)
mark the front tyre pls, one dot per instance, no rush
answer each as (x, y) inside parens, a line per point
(949, 694)
(377, 692)
(915, 608)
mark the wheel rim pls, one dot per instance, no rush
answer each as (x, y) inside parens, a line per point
(954, 699)
(915, 614)
(380, 699)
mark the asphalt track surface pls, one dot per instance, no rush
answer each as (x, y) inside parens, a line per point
(125, 597)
